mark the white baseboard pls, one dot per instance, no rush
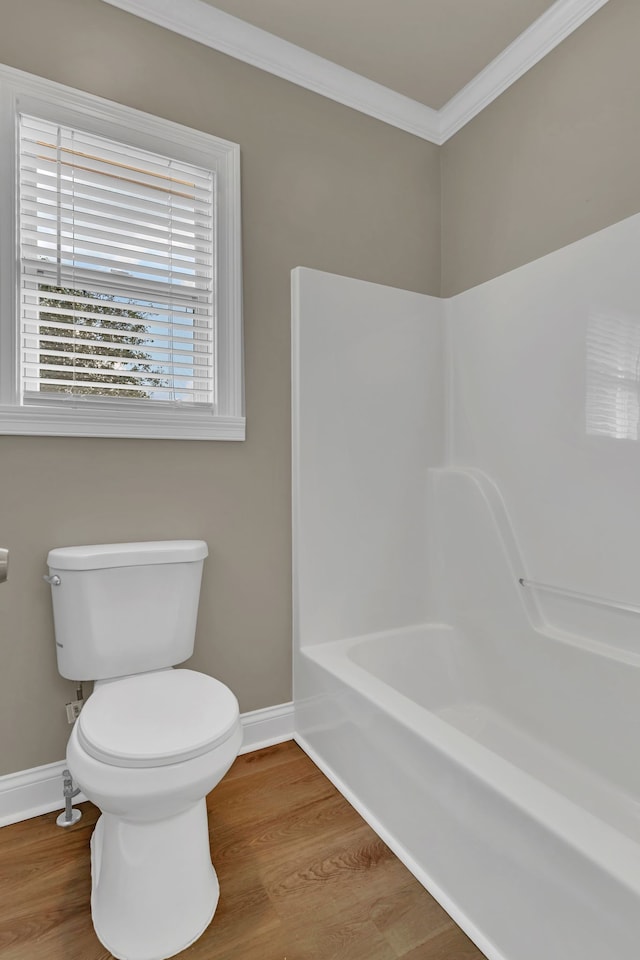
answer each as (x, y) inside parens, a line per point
(263, 728)
(29, 793)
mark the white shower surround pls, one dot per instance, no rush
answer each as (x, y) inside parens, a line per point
(487, 732)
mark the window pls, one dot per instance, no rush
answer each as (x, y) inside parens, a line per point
(120, 290)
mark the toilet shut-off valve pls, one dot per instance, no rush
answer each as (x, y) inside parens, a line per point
(70, 814)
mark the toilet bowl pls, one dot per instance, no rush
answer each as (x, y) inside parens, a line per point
(154, 889)
(149, 744)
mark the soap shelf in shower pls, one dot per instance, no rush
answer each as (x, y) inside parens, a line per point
(576, 595)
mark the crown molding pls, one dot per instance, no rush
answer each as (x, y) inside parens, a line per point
(557, 23)
(214, 28)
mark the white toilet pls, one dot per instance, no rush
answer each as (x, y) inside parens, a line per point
(151, 741)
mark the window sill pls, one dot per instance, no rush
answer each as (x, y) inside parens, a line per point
(45, 421)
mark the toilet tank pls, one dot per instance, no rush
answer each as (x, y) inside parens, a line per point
(123, 608)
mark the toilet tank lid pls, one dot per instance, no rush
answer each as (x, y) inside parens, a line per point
(100, 555)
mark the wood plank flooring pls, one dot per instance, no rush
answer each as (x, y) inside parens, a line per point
(302, 877)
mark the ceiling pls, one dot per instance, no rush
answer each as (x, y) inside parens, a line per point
(425, 49)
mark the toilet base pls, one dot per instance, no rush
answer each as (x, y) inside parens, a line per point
(153, 887)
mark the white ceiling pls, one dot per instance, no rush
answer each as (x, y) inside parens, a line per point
(424, 49)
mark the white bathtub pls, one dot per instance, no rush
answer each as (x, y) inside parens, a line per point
(502, 782)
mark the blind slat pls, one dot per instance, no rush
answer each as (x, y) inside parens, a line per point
(126, 178)
(112, 388)
(104, 213)
(77, 166)
(102, 282)
(105, 201)
(37, 142)
(61, 346)
(118, 248)
(108, 228)
(163, 331)
(100, 364)
(97, 402)
(68, 302)
(177, 275)
(43, 184)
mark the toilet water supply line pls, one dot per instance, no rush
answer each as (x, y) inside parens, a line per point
(71, 814)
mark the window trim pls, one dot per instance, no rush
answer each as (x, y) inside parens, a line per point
(24, 92)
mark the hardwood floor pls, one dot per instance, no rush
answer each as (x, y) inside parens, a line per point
(302, 877)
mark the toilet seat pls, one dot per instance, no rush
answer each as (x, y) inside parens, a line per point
(156, 719)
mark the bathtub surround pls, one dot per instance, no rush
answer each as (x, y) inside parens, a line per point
(372, 357)
(546, 402)
(488, 731)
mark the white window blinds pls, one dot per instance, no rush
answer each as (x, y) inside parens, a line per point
(117, 284)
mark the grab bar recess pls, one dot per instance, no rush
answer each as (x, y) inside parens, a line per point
(576, 595)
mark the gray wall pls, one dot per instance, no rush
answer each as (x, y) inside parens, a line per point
(553, 159)
(323, 186)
